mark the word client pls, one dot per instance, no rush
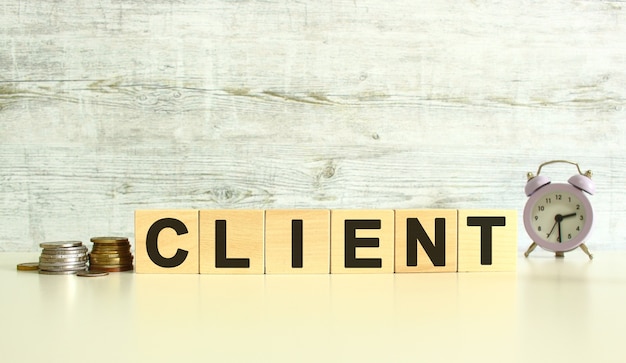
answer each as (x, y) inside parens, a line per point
(324, 241)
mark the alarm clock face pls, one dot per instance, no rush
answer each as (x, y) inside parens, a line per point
(558, 217)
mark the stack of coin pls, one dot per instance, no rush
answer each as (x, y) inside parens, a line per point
(62, 258)
(110, 254)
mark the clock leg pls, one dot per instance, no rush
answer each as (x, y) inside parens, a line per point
(530, 249)
(586, 250)
(559, 254)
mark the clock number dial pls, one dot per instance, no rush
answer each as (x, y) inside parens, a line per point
(558, 217)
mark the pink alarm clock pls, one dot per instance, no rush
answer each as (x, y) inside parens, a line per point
(558, 216)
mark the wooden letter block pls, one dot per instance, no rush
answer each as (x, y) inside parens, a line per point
(231, 242)
(487, 240)
(166, 241)
(426, 240)
(362, 241)
(297, 241)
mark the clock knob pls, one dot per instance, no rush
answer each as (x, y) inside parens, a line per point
(583, 182)
(535, 183)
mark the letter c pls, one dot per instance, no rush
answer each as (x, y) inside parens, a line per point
(152, 244)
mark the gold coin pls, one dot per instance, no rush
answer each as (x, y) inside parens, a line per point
(111, 260)
(109, 240)
(111, 249)
(28, 266)
(99, 251)
(110, 243)
(94, 266)
(112, 268)
(111, 255)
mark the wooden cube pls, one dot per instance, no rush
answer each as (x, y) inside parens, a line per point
(487, 240)
(166, 241)
(426, 240)
(297, 241)
(362, 241)
(231, 242)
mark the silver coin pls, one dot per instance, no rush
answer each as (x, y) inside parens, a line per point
(45, 272)
(60, 272)
(67, 265)
(60, 244)
(60, 263)
(48, 266)
(66, 271)
(62, 267)
(92, 273)
(63, 257)
(73, 248)
(64, 250)
(68, 248)
(78, 258)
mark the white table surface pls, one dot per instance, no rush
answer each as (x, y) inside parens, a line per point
(565, 310)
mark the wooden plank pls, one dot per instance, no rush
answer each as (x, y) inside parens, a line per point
(107, 109)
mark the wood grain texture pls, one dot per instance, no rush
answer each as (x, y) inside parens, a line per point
(497, 229)
(171, 241)
(241, 239)
(107, 107)
(362, 241)
(311, 237)
(427, 221)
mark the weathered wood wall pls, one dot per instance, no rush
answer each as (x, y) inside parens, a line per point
(111, 106)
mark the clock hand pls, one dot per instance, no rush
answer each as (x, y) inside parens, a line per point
(557, 220)
(552, 230)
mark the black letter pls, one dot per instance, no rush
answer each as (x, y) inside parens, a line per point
(296, 243)
(152, 245)
(220, 249)
(351, 243)
(415, 232)
(485, 224)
